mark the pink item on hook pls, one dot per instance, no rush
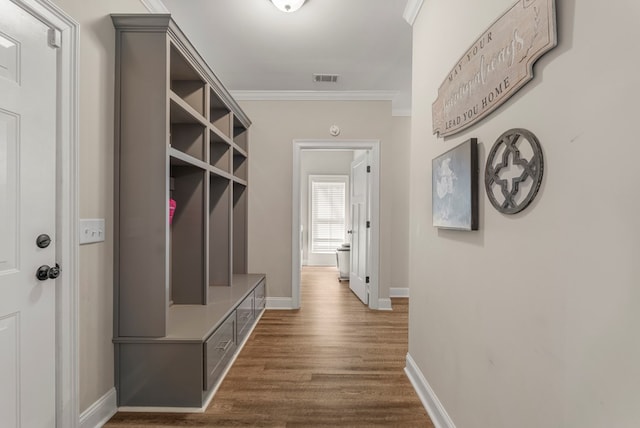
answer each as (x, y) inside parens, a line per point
(172, 209)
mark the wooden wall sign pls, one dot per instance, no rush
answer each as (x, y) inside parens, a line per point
(496, 66)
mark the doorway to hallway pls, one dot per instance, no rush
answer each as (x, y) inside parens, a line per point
(302, 228)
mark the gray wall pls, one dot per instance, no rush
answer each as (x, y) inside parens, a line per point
(532, 321)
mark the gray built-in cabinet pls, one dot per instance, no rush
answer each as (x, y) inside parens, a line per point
(183, 301)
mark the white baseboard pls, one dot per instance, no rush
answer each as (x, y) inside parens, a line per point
(101, 411)
(282, 303)
(398, 292)
(152, 409)
(384, 305)
(434, 407)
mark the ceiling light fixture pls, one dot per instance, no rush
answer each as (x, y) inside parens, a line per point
(288, 6)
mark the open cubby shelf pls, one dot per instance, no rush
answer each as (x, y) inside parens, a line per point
(178, 158)
(185, 82)
(239, 165)
(183, 298)
(187, 241)
(240, 135)
(188, 138)
(219, 153)
(181, 112)
(219, 114)
(219, 231)
(239, 228)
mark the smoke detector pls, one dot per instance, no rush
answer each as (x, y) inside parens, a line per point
(288, 6)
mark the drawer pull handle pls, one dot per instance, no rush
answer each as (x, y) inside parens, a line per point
(224, 345)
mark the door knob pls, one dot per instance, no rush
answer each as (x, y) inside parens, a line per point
(54, 272)
(45, 272)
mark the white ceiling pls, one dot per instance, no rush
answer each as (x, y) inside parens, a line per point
(252, 46)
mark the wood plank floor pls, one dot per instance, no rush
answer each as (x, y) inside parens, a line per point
(332, 363)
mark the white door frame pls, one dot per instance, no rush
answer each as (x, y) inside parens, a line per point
(67, 363)
(374, 148)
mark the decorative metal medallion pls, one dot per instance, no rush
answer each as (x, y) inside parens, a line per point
(513, 173)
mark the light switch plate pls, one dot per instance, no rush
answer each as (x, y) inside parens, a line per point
(91, 230)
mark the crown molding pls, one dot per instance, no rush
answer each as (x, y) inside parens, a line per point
(155, 6)
(314, 95)
(322, 96)
(411, 10)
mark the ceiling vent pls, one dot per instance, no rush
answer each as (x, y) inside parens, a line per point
(330, 78)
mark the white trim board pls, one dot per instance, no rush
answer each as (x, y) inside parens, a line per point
(384, 305)
(399, 292)
(67, 360)
(411, 11)
(101, 411)
(434, 407)
(323, 96)
(279, 303)
(373, 270)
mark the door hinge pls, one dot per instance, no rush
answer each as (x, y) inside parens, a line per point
(368, 224)
(366, 280)
(368, 168)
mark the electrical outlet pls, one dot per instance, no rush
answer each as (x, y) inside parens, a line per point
(91, 230)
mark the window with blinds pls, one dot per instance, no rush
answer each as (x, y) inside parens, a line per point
(328, 196)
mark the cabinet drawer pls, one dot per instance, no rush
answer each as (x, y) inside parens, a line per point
(218, 350)
(245, 316)
(261, 298)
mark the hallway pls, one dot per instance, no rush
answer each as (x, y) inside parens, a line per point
(332, 363)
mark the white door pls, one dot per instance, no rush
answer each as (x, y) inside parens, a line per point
(27, 210)
(359, 230)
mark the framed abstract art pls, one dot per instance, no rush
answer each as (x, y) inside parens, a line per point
(454, 192)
